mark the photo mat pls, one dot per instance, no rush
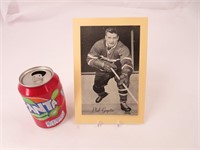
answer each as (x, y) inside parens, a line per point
(132, 32)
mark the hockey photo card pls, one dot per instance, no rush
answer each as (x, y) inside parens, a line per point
(110, 69)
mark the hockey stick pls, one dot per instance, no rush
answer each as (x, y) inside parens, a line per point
(124, 86)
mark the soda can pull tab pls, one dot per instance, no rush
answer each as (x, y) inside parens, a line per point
(38, 76)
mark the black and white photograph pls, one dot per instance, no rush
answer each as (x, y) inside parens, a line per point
(109, 69)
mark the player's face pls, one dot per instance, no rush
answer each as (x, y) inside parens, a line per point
(111, 39)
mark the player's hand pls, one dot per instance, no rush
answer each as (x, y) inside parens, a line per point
(124, 78)
(108, 65)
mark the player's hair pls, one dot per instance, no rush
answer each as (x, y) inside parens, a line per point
(111, 30)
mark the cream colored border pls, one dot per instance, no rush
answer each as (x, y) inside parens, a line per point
(111, 119)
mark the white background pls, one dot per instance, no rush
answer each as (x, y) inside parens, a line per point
(40, 33)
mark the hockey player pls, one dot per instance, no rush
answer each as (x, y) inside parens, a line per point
(110, 53)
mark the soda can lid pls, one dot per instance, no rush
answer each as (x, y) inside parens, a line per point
(36, 76)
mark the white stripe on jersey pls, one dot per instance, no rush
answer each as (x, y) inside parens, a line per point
(90, 61)
(128, 58)
(126, 65)
(89, 55)
(110, 60)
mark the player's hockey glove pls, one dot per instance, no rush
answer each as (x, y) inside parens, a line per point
(124, 78)
(108, 65)
(104, 65)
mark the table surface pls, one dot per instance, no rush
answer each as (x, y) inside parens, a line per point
(41, 34)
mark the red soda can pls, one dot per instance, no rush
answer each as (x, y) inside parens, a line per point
(43, 95)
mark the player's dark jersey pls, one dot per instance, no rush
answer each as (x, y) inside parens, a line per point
(119, 53)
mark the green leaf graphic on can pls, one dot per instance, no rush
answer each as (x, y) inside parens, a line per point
(43, 118)
(40, 116)
(28, 100)
(54, 112)
(54, 94)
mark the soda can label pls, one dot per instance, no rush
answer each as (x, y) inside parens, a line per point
(43, 95)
